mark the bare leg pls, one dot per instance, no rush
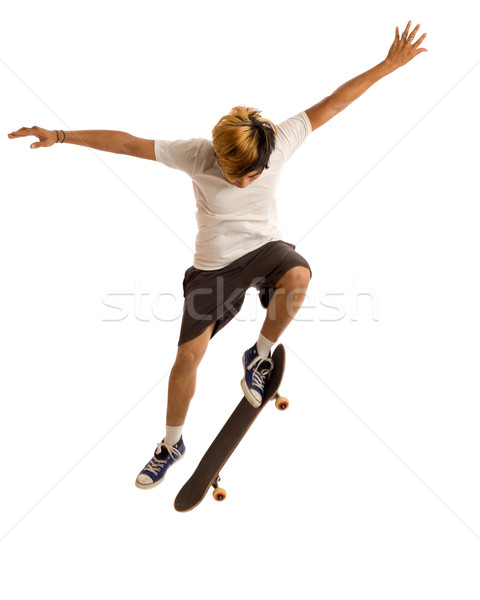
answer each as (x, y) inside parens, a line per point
(183, 377)
(289, 295)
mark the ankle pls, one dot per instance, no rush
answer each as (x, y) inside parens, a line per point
(173, 434)
(263, 346)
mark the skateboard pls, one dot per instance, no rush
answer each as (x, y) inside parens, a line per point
(207, 474)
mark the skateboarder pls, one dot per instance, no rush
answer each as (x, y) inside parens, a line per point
(238, 244)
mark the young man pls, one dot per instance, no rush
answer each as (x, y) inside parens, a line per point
(238, 244)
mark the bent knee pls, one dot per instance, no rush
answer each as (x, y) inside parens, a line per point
(295, 278)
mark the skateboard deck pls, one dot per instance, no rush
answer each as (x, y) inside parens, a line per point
(237, 425)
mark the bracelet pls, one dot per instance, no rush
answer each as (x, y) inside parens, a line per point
(63, 135)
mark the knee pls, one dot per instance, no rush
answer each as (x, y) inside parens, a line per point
(296, 278)
(190, 354)
(186, 362)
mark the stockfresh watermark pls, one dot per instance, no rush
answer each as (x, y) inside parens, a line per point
(167, 305)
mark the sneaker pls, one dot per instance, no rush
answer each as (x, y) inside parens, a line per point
(257, 369)
(154, 472)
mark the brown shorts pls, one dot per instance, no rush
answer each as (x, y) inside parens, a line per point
(217, 296)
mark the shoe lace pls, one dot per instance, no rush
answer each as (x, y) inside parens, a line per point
(157, 464)
(262, 367)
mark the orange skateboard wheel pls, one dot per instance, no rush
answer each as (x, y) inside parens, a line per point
(219, 494)
(282, 403)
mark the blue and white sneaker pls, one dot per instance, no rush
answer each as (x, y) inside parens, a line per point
(154, 472)
(257, 369)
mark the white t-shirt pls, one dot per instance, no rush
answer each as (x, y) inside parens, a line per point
(232, 221)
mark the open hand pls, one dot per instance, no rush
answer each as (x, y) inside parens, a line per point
(404, 48)
(46, 137)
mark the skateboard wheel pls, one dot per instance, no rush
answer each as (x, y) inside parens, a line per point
(219, 494)
(281, 403)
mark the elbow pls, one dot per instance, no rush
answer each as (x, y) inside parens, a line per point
(333, 105)
(126, 146)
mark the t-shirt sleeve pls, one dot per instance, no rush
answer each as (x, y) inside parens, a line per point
(179, 154)
(292, 133)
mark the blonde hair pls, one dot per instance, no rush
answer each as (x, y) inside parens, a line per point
(243, 141)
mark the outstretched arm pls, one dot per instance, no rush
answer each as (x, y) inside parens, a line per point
(401, 52)
(118, 142)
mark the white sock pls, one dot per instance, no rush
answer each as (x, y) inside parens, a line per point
(173, 435)
(263, 346)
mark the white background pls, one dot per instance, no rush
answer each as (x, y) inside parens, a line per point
(368, 486)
